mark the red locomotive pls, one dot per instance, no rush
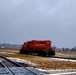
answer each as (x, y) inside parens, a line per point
(40, 47)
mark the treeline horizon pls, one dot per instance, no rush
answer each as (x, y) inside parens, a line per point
(16, 46)
(12, 46)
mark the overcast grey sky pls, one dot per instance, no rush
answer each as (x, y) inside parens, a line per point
(22, 20)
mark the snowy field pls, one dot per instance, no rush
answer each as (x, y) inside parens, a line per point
(50, 71)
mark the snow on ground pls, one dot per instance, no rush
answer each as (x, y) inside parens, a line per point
(58, 72)
(52, 70)
(66, 73)
(21, 60)
(63, 59)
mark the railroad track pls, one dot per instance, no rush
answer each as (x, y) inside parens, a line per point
(9, 67)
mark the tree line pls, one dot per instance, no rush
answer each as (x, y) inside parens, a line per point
(12, 46)
(64, 49)
(15, 46)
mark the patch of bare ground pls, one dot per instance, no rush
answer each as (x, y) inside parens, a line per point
(66, 54)
(9, 50)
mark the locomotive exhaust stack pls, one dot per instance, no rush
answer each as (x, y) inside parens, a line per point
(40, 47)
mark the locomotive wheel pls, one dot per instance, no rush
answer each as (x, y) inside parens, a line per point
(39, 53)
(21, 51)
(44, 54)
(51, 53)
(26, 52)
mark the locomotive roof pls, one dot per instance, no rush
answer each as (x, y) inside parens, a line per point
(40, 40)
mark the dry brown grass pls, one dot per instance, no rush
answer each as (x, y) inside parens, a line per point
(9, 50)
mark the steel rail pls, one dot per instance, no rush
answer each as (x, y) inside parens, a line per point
(1, 64)
(17, 65)
(8, 69)
(27, 69)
